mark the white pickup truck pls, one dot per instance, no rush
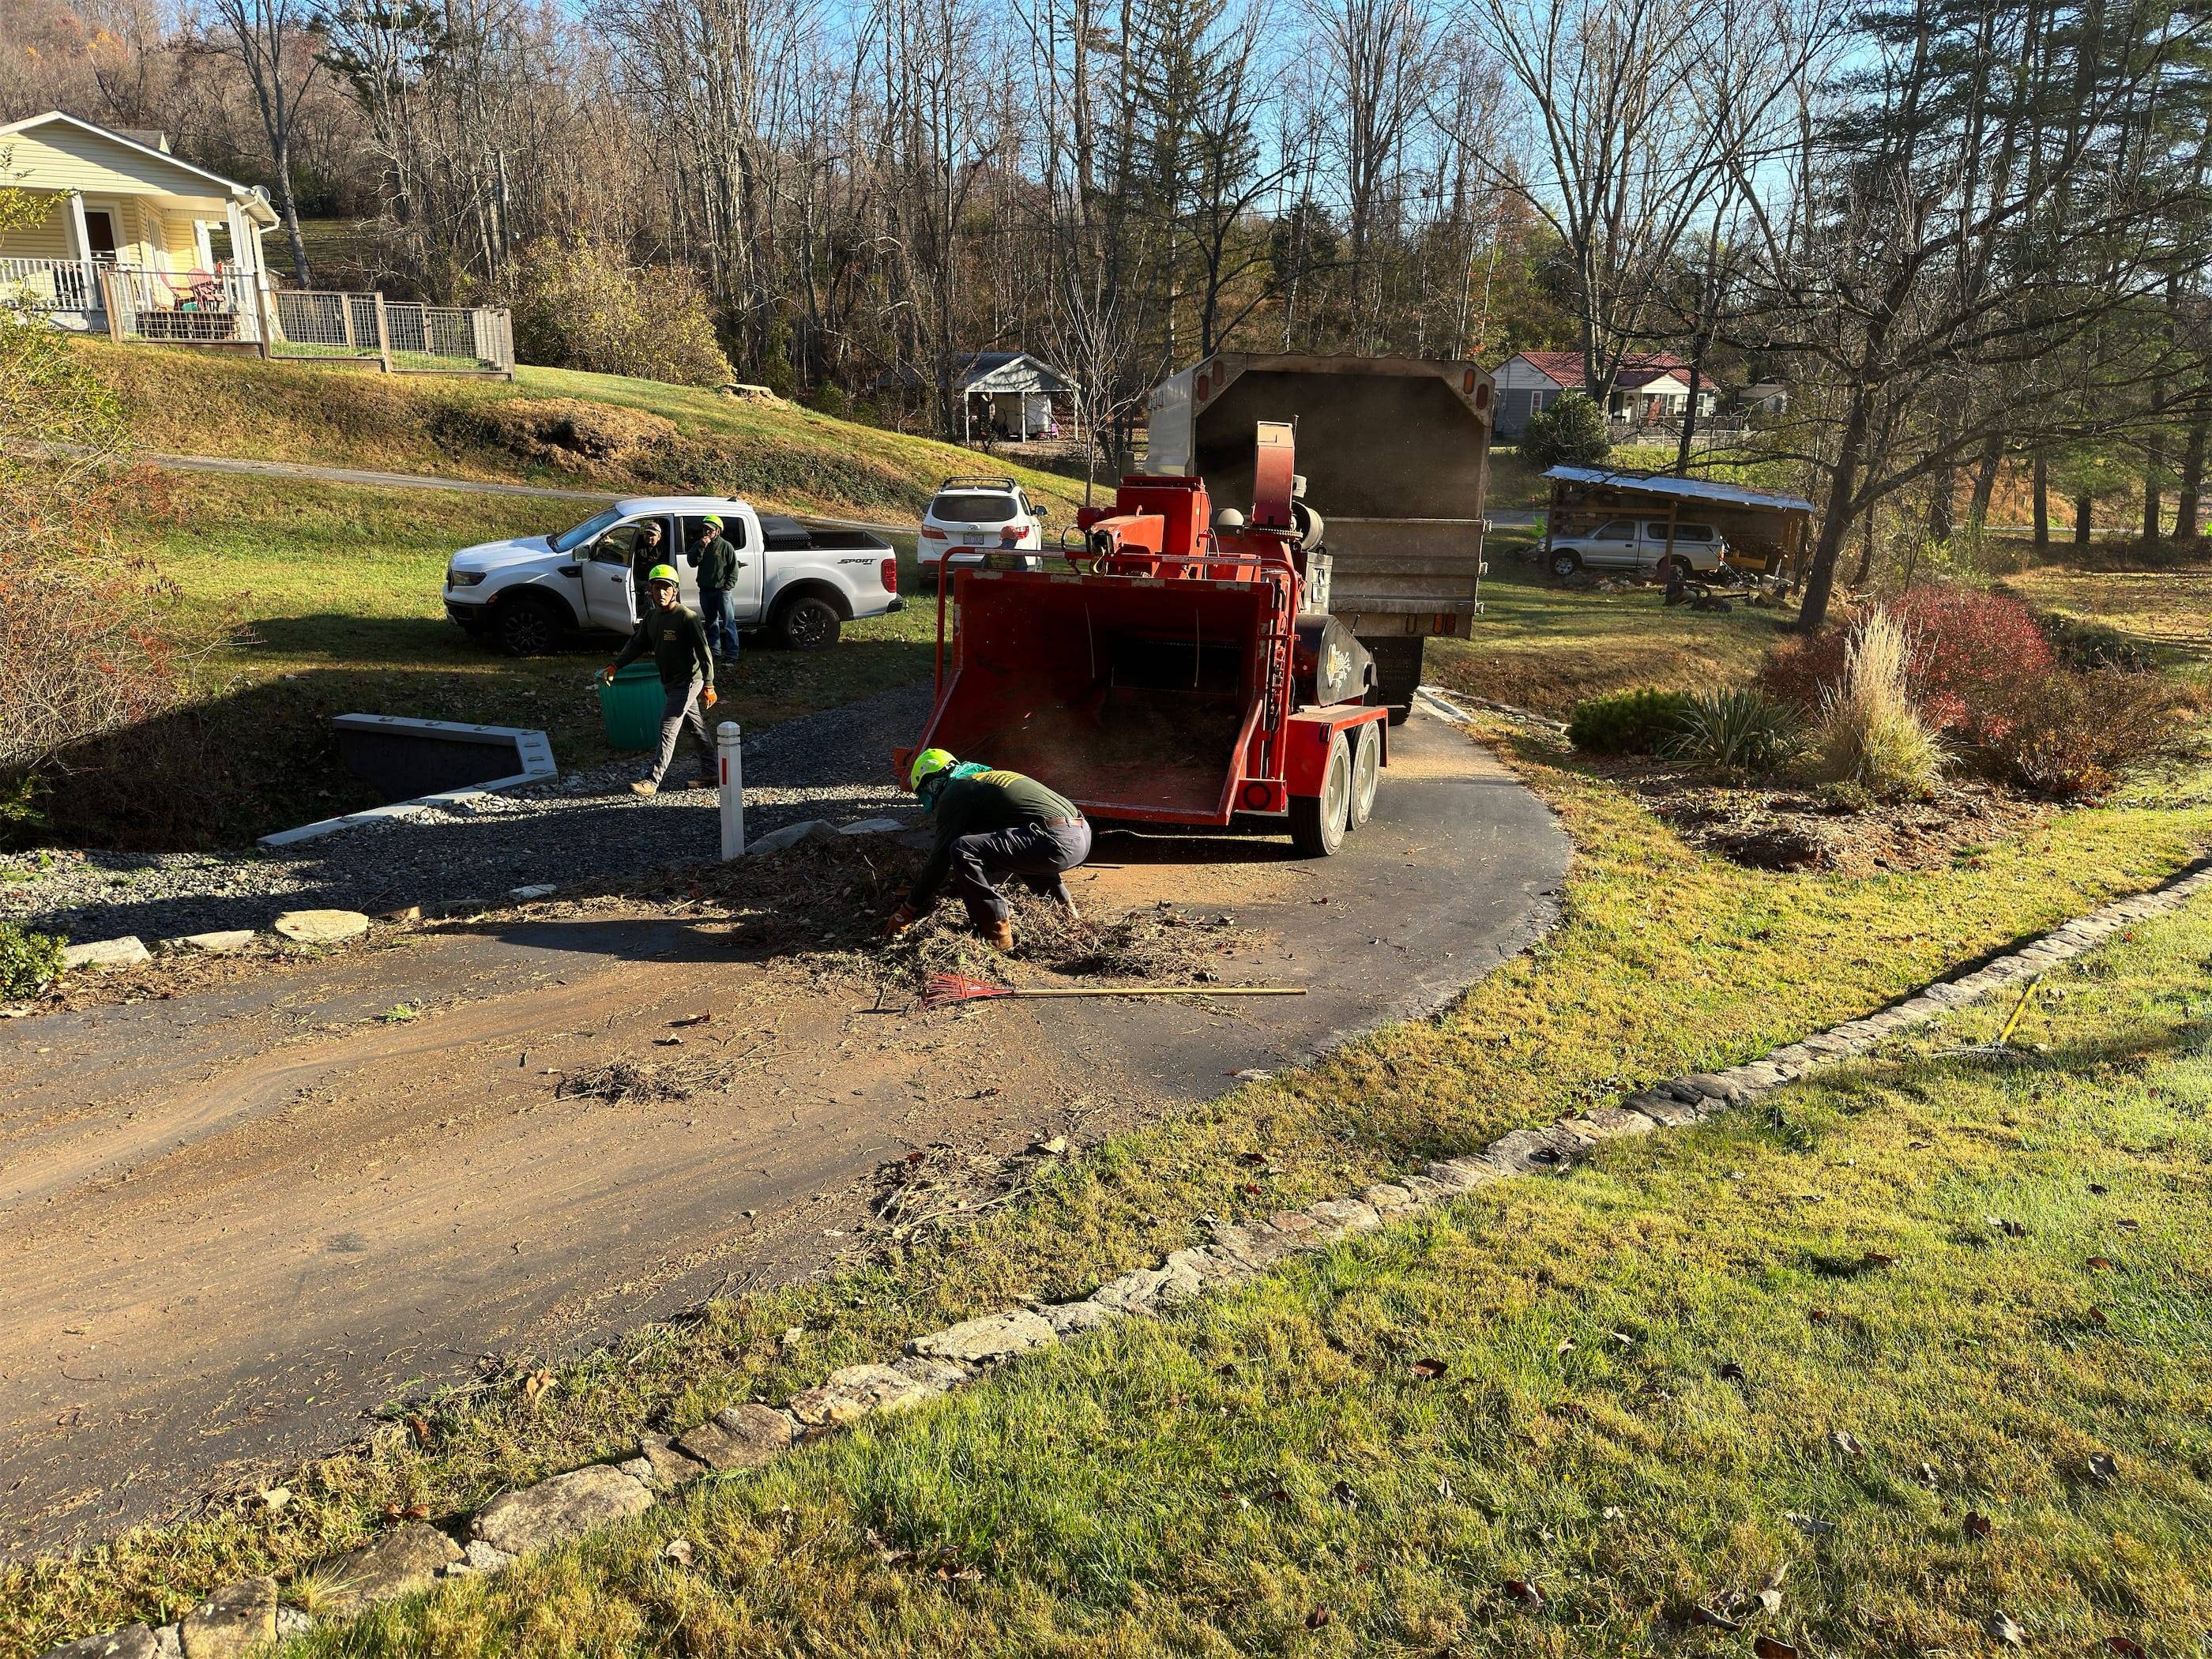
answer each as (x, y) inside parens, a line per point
(800, 584)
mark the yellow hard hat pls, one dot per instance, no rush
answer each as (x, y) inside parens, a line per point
(662, 573)
(927, 765)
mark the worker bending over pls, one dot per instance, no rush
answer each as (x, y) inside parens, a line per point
(991, 826)
(679, 643)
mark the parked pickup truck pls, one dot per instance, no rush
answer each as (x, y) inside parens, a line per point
(800, 584)
(1640, 545)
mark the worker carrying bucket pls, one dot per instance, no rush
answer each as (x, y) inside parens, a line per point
(991, 826)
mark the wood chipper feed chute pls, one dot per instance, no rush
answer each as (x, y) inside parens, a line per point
(1137, 697)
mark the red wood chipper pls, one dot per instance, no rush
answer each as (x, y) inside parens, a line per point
(1174, 669)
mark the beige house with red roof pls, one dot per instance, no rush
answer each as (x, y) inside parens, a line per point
(1651, 391)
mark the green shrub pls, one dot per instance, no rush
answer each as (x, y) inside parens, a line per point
(29, 961)
(1869, 733)
(1741, 730)
(1639, 722)
(829, 399)
(2097, 647)
(1569, 432)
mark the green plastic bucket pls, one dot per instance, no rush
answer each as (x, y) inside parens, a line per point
(630, 707)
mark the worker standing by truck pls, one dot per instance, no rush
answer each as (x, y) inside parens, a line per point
(677, 640)
(991, 826)
(718, 564)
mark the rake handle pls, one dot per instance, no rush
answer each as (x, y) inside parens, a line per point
(1160, 990)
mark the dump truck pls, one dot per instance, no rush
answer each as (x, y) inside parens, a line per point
(1169, 668)
(1396, 457)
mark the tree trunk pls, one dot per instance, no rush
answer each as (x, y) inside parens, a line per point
(1836, 522)
(2042, 504)
(291, 212)
(2083, 507)
(1866, 552)
(1985, 482)
(2154, 519)
(2189, 503)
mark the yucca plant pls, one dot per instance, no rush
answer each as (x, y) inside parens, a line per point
(1740, 730)
(1869, 734)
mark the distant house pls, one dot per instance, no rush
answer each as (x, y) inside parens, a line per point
(1765, 397)
(1649, 391)
(176, 245)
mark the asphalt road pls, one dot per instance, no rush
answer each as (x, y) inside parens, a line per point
(232, 1220)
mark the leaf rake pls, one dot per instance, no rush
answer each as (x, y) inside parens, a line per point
(940, 989)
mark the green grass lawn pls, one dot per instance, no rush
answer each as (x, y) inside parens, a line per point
(2170, 607)
(1542, 646)
(1798, 1348)
(329, 600)
(1664, 961)
(782, 455)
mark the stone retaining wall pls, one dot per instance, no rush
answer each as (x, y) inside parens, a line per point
(242, 1615)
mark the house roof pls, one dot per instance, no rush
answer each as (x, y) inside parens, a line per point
(253, 200)
(1564, 369)
(973, 368)
(1667, 486)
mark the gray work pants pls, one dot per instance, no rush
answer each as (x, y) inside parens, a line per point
(1039, 853)
(679, 708)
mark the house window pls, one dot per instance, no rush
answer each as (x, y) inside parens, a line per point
(99, 234)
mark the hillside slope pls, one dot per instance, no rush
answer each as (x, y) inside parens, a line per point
(549, 426)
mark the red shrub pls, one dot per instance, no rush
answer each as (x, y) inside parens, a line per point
(1974, 655)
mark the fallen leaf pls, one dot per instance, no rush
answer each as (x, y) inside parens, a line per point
(2013, 1228)
(1844, 1442)
(1343, 1493)
(275, 1498)
(1430, 1368)
(1879, 1259)
(1525, 1593)
(1978, 1524)
(2128, 1223)
(1765, 1646)
(2098, 1315)
(1567, 1345)
(690, 1019)
(1819, 1315)
(668, 1042)
(2103, 1466)
(1812, 1525)
(1770, 1601)
(678, 1550)
(1318, 1617)
(2099, 1187)
(2006, 1632)
(1612, 1512)
(535, 1385)
(1732, 1371)
(2126, 1644)
(2099, 1264)
(1701, 1614)
(1928, 1478)
(416, 1512)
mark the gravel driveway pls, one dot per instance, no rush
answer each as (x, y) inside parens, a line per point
(835, 764)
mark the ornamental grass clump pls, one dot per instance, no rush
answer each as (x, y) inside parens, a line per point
(1738, 730)
(1869, 733)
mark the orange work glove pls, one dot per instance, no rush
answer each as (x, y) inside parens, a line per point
(899, 921)
(707, 699)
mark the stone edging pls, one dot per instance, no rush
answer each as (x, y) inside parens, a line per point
(243, 1614)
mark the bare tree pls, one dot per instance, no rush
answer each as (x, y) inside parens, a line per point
(274, 41)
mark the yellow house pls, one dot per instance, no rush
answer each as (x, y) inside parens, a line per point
(136, 240)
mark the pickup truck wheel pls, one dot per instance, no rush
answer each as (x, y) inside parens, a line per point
(1366, 773)
(1668, 566)
(527, 626)
(1566, 563)
(1318, 822)
(808, 623)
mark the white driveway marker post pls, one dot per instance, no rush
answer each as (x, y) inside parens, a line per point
(731, 753)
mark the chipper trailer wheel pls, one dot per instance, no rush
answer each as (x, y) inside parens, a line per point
(1366, 772)
(1318, 822)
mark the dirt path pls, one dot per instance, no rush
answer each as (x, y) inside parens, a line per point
(231, 1221)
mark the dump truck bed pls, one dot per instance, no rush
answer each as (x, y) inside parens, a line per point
(1395, 453)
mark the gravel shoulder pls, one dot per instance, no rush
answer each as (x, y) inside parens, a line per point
(588, 826)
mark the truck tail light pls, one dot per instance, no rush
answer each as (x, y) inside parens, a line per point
(931, 535)
(891, 575)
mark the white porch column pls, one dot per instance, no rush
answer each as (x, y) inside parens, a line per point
(241, 243)
(93, 300)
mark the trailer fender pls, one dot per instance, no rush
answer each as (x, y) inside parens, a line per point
(1308, 733)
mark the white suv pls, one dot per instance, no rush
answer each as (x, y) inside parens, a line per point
(976, 512)
(1636, 545)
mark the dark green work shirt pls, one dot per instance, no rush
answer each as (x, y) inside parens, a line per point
(679, 644)
(977, 804)
(717, 562)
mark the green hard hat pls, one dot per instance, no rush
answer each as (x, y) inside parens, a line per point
(713, 521)
(662, 573)
(927, 765)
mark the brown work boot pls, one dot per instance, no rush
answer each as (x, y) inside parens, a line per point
(702, 783)
(1001, 935)
(1066, 901)
(645, 786)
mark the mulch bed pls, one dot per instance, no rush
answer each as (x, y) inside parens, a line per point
(1775, 826)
